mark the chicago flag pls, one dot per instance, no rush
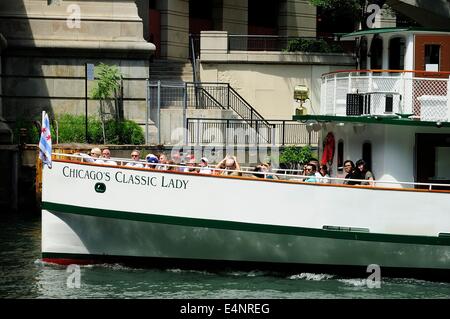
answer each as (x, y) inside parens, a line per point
(45, 143)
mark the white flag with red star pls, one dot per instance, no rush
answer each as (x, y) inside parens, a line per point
(45, 143)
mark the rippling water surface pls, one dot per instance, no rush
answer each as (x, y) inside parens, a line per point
(24, 275)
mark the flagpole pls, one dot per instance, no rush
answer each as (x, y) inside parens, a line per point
(41, 163)
(86, 101)
(40, 135)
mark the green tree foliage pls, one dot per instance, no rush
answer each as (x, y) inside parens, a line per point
(293, 157)
(312, 45)
(26, 132)
(71, 129)
(351, 4)
(108, 81)
(357, 7)
(105, 90)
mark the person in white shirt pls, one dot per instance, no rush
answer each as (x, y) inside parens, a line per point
(204, 169)
(135, 157)
(106, 158)
(92, 157)
(323, 177)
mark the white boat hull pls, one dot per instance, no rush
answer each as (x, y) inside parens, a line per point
(208, 218)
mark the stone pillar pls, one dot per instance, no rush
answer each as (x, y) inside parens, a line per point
(175, 29)
(297, 18)
(235, 16)
(213, 45)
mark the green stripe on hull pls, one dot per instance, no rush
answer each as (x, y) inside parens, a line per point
(249, 227)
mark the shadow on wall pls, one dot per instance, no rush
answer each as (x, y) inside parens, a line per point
(24, 89)
(24, 94)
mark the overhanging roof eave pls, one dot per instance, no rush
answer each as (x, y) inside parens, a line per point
(370, 119)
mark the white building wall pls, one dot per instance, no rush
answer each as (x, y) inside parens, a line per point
(269, 88)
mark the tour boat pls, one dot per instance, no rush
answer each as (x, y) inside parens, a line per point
(397, 121)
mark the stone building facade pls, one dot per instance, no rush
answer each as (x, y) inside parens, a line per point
(49, 44)
(168, 23)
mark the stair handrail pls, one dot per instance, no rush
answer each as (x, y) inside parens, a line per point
(230, 91)
(197, 86)
(193, 58)
(254, 112)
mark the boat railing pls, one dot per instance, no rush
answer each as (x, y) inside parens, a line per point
(420, 94)
(294, 175)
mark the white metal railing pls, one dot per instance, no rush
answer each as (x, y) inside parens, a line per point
(424, 95)
(292, 176)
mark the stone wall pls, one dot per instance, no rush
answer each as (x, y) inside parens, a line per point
(49, 43)
(297, 18)
(174, 29)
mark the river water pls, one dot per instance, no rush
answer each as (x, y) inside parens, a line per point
(24, 275)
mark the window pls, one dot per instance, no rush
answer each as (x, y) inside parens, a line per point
(262, 18)
(442, 163)
(367, 154)
(263, 14)
(432, 53)
(432, 57)
(397, 54)
(340, 155)
(376, 54)
(200, 16)
(363, 54)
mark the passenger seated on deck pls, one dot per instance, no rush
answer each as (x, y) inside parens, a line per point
(152, 160)
(263, 171)
(324, 177)
(135, 158)
(162, 160)
(310, 171)
(171, 166)
(350, 170)
(106, 158)
(367, 175)
(92, 157)
(191, 166)
(204, 169)
(317, 165)
(257, 172)
(230, 166)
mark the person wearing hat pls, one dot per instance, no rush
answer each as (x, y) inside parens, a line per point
(152, 160)
(204, 169)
